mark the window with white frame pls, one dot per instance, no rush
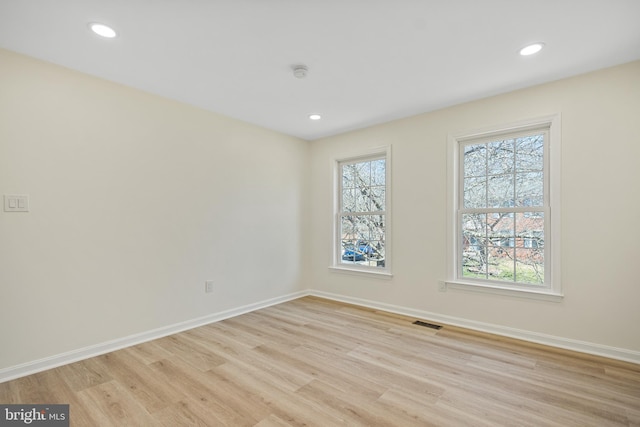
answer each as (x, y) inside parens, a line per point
(505, 207)
(362, 213)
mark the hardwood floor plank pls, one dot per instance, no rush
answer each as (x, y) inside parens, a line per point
(189, 350)
(349, 408)
(421, 411)
(84, 374)
(295, 411)
(342, 372)
(112, 405)
(32, 388)
(634, 416)
(212, 340)
(48, 387)
(202, 390)
(149, 352)
(140, 380)
(273, 421)
(505, 407)
(187, 413)
(243, 400)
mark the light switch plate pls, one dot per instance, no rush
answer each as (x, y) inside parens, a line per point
(16, 203)
(208, 286)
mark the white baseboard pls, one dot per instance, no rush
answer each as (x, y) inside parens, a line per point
(13, 372)
(29, 368)
(550, 340)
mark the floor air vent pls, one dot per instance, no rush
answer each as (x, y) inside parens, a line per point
(428, 325)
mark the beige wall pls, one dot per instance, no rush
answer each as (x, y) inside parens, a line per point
(600, 218)
(135, 202)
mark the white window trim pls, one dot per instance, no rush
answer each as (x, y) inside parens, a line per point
(336, 265)
(553, 257)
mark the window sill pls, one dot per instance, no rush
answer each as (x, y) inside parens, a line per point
(542, 294)
(361, 272)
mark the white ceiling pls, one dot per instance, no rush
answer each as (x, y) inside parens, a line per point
(369, 61)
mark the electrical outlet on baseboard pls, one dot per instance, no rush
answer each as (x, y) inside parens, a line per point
(208, 286)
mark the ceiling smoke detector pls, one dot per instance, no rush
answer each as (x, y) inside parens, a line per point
(300, 71)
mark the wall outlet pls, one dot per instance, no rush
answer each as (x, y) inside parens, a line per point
(442, 286)
(208, 286)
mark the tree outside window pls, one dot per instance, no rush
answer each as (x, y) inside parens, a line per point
(502, 209)
(362, 213)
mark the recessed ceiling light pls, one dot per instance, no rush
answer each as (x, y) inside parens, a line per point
(531, 49)
(315, 116)
(102, 30)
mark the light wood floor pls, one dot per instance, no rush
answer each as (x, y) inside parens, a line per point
(315, 362)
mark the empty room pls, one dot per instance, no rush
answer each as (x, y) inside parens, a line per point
(340, 213)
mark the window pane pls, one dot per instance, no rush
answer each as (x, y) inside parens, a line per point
(530, 229)
(500, 264)
(348, 200)
(347, 229)
(504, 246)
(363, 186)
(363, 201)
(475, 160)
(529, 189)
(377, 228)
(500, 244)
(363, 174)
(500, 157)
(529, 266)
(475, 192)
(348, 254)
(348, 176)
(378, 172)
(362, 227)
(500, 225)
(377, 240)
(474, 264)
(530, 153)
(377, 198)
(363, 240)
(500, 178)
(500, 191)
(474, 226)
(474, 250)
(362, 235)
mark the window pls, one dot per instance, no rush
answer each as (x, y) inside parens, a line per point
(362, 214)
(504, 208)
